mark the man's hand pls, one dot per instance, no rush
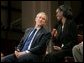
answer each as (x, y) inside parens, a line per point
(18, 54)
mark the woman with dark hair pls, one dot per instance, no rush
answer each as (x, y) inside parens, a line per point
(64, 36)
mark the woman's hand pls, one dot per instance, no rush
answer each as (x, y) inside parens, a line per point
(57, 48)
(54, 32)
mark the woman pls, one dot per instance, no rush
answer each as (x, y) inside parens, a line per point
(64, 36)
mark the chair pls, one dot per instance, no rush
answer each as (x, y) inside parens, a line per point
(69, 59)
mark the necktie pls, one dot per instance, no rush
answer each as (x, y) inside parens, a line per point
(28, 40)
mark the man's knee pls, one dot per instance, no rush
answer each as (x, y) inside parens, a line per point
(8, 58)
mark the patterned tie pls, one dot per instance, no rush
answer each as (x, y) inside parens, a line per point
(28, 40)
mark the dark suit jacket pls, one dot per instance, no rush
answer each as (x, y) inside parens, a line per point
(68, 36)
(39, 43)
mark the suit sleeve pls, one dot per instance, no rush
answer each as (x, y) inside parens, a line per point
(20, 45)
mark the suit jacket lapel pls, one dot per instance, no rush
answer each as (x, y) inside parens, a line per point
(39, 33)
(27, 34)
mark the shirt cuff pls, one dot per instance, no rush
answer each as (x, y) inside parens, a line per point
(27, 51)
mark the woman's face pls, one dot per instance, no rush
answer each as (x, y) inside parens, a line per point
(59, 14)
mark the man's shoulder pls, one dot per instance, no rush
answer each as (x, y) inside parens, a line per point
(47, 32)
(27, 29)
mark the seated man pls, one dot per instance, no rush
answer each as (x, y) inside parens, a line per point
(34, 43)
(78, 49)
(78, 52)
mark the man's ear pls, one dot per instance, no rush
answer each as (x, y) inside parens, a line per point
(35, 18)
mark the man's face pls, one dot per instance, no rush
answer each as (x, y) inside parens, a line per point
(59, 14)
(40, 19)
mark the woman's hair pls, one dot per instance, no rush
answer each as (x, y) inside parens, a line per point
(66, 11)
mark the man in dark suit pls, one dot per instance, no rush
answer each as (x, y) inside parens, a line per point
(33, 45)
(63, 36)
